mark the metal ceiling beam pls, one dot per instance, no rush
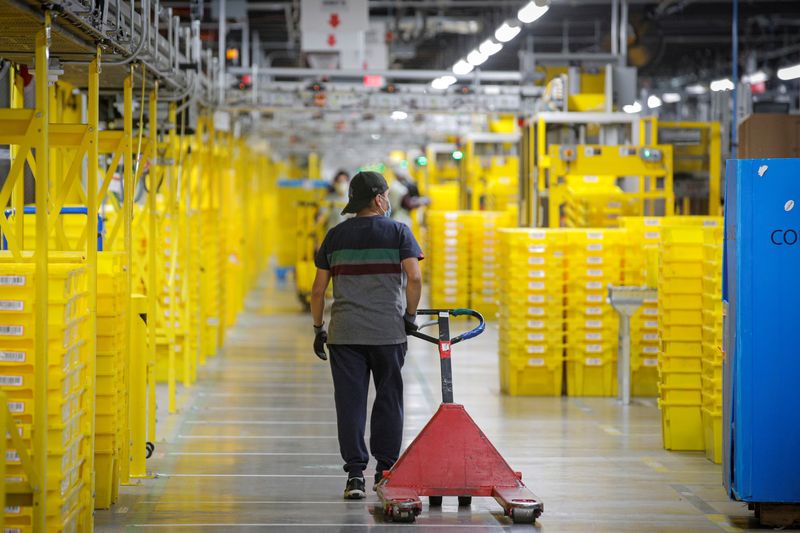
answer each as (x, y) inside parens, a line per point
(488, 75)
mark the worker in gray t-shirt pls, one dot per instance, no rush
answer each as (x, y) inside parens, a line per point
(374, 264)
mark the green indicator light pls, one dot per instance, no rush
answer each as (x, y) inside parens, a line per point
(422, 161)
(457, 155)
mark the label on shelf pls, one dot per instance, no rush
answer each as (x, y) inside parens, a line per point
(593, 272)
(594, 311)
(534, 337)
(650, 362)
(594, 285)
(652, 222)
(536, 260)
(594, 361)
(16, 281)
(594, 298)
(710, 223)
(650, 349)
(12, 509)
(651, 323)
(12, 457)
(650, 337)
(537, 249)
(594, 336)
(12, 357)
(594, 235)
(594, 324)
(594, 348)
(12, 305)
(536, 273)
(536, 324)
(11, 381)
(537, 348)
(536, 285)
(538, 235)
(535, 362)
(536, 298)
(16, 407)
(594, 260)
(594, 247)
(12, 331)
(650, 311)
(536, 311)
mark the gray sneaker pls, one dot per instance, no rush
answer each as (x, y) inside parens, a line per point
(355, 489)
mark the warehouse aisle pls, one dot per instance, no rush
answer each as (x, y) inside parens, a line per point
(254, 448)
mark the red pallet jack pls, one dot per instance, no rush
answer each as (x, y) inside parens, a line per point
(451, 456)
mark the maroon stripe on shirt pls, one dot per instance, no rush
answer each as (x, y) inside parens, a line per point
(363, 270)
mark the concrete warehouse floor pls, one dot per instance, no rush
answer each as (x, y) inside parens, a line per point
(254, 448)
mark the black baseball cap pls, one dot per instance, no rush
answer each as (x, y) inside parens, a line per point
(363, 188)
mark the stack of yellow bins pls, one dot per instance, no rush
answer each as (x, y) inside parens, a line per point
(194, 273)
(69, 402)
(531, 339)
(448, 256)
(111, 401)
(640, 268)
(680, 302)
(484, 248)
(594, 261)
(712, 345)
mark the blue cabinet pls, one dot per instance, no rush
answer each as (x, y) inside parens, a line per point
(761, 373)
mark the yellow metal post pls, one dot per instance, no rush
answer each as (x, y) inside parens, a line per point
(17, 101)
(137, 406)
(91, 256)
(152, 244)
(3, 426)
(41, 142)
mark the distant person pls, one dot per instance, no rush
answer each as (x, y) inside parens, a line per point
(374, 264)
(404, 193)
(335, 201)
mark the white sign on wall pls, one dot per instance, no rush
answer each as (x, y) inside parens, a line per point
(376, 53)
(333, 25)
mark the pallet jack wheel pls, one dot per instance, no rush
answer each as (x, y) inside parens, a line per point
(149, 449)
(435, 501)
(523, 516)
(405, 515)
(464, 501)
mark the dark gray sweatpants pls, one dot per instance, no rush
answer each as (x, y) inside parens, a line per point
(351, 366)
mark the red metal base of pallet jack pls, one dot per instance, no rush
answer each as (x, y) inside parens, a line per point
(452, 457)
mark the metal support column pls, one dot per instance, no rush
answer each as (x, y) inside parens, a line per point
(41, 142)
(93, 156)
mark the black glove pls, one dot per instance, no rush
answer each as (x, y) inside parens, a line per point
(409, 321)
(320, 338)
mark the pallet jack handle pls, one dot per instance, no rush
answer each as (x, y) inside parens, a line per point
(444, 342)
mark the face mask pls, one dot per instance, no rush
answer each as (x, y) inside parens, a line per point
(388, 212)
(340, 188)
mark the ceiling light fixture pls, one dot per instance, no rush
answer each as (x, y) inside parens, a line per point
(696, 89)
(462, 68)
(440, 84)
(399, 115)
(489, 47)
(789, 73)
(507, 31)
(633, 108)
(721, 85)
(756, 77)
(671, 98)
(476, 58)
(531, 12)
(654, 102)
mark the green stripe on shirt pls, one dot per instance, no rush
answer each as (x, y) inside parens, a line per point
(364, 256)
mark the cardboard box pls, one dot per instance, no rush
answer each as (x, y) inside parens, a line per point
(767, 136)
